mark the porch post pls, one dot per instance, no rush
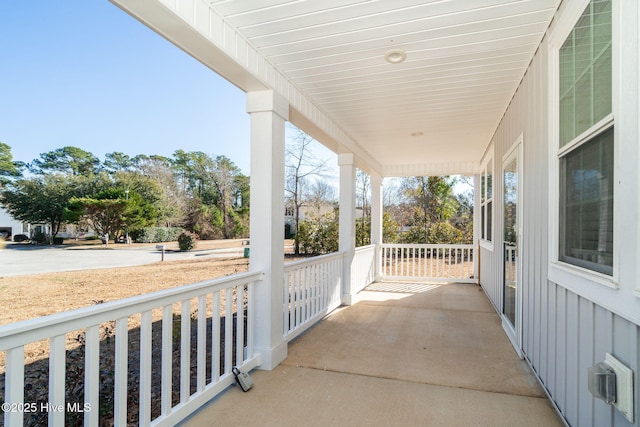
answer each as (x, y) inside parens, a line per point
(269, 112)
(376, 219)
(476, 227)
(347, 221)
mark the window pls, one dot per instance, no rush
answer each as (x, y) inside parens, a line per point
(586, 142)
(486, 202)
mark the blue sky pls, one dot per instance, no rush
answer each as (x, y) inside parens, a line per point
(86, 74)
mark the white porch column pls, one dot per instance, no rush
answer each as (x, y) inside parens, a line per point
(376, 218)
(476, 226)
(269, 112)
(347, 221)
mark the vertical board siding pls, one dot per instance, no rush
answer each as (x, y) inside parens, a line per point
(488, 277)
(563, 333)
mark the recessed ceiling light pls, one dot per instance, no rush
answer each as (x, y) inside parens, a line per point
(417, 133)
(395, 56)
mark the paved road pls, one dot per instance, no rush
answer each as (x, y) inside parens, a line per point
(18, 260)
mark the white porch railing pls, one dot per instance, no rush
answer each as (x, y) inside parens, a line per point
(510, 266)
(363, 271)
(155, 344)
(427, 262)
(312, 289)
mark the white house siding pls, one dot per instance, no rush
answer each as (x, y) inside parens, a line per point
(564, 333)
(7, 221)
(489, 278)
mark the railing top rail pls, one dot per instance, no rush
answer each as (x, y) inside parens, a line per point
(427, 246)
(365, 248)
(27, 331)
(312, 261)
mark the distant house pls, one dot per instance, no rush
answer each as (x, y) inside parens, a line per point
(9, 226)
(313, 210)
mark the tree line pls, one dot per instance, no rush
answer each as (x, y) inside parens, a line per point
(419, 209)
(203, 194)
(209, 196)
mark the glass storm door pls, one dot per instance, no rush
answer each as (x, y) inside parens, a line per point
(510, 239)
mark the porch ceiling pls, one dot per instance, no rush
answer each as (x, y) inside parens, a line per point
(464, 60)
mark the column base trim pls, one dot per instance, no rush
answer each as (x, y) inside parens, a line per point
(272, 357)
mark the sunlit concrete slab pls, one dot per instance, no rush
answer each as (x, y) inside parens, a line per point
(425, 355)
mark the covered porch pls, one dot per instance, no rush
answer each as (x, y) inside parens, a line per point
(422, 344)
(407, 354)
(422, 92)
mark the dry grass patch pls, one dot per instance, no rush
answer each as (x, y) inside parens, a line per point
(26, 297)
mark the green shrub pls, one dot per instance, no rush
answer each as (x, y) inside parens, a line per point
(20, 238)
(187, 240)
(156, 234)
(319, 234)
(39, 237)
(58, 240)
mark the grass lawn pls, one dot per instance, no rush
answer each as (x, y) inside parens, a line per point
(26, 297)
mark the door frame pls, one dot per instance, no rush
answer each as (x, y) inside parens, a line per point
(514, 333)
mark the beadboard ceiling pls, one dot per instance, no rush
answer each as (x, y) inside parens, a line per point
(464, 61)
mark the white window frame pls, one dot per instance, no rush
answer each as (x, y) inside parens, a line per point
(484, 173)
(637, 290)
(578, 279)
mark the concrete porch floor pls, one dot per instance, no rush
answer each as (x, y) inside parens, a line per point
(407, 354)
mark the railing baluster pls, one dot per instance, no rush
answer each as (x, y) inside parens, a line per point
(250, 320)
(334, 289)
(320, 278)
(92, 376)
(310, 286)
(292, 301)
(14, 385)
(145, 368)
(121, 372)
(338, 291)
(305, 293)
(57, 367)
(326, 278)
(313, 284)
(312, 278)
(228, 330)
(446, 265)
(202, 343)
(313, 274)
(325, 288)
(395, 262)
(239, 325)
(215, 338)
(383, 261)
(185, 351)
(285, 313)
(167, 360)
(300, 279)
